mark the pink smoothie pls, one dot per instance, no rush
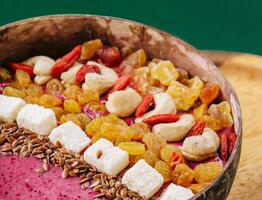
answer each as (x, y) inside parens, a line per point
(18, 181)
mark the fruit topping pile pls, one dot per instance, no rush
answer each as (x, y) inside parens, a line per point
(177, 123)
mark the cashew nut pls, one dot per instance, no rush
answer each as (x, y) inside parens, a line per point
(175, 131)
(42, 64)
(69, 77)
(164, 104)
(100, 82)
(123, 103)
(201, 147)
(40, 80)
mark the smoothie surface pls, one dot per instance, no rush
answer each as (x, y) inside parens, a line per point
(19, 181)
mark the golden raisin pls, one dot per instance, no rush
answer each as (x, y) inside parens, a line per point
(15, 84)
(154, 142)
(135, 60)
(54, 87)
(72, 91)
(212, 122)
(23, 78)
(58, 112)
(34, 90)
(72, 106)
(5, 75)
(197, 187)
(49, 101)
(150, 157)
(124, 134)
(9, 91)
(139, 129)
(84, 119)
(164, 169)
(96, 106)
(89, 48)
(183, 175)
(93, 128)
(207, 172)
(167, 151)
(87, 96)
(199, 112)
(70, 117)
(132, 148)
(31, 100)
(109, 131)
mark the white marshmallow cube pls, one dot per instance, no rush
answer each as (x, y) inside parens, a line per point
(37, 119)
(143, 179)
(70, 136)
(106, 158)
(9, 108)
(176, 192)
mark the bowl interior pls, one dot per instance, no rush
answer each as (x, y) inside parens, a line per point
(55, 35)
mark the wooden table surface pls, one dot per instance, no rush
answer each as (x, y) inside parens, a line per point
(245, 74)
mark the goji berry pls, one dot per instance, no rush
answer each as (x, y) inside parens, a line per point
(231, 138)
(109, 55)
(223, 149)
(161, 118)
(209, 93)
(24, 67)
(197, 129)
(80, 75)
(231, 141)
(227, 142)
(121, 83)
(66, 61)
(144, 105)
(176, 159)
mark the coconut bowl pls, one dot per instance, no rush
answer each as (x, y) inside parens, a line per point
(55, 35)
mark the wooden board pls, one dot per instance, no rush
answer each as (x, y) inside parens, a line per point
(245, 74)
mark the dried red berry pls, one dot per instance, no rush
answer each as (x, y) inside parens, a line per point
(66, 61)
(197, 129)
(121, 83)
(161, 118)
(24, 67)
(109, 55)
(144, 105)
(176, 159)
(231, 142)
(80, 75)
(223, 149)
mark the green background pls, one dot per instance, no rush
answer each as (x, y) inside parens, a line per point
(233, 25)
